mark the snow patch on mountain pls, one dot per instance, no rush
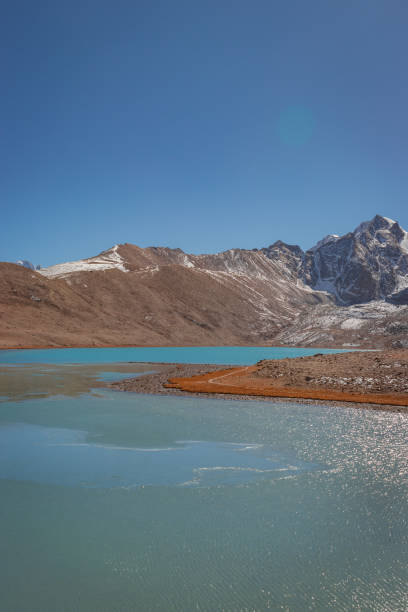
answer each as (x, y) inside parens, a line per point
(187, 262)
(105, 261)
(323, 323)
(351, 323)
(25, 263)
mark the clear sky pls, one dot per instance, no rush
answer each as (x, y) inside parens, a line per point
(205, 125)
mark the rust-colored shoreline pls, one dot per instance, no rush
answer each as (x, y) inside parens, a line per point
(207, 383)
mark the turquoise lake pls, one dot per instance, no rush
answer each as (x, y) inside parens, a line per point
(234, 355)
(121, 502)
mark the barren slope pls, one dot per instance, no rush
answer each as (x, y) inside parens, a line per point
(129, 295)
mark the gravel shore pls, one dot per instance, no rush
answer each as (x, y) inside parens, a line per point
(154, 384)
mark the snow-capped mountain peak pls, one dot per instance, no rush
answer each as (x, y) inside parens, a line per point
(377, 223)
(370, 263)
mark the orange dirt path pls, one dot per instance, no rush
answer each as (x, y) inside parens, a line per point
(238, 381)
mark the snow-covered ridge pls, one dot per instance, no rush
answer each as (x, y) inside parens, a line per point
(105, 261)
(325, 240)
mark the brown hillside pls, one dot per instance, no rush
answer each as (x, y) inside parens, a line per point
(128, 295)
(171, 304)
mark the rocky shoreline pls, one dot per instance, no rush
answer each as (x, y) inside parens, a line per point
(154, 383)
(165, 382)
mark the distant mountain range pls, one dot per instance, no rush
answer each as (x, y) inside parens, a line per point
(348, 290)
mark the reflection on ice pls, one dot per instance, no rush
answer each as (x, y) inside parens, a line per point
(64, 457)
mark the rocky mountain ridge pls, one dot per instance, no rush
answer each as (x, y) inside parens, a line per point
(158, 295)
(370, 263)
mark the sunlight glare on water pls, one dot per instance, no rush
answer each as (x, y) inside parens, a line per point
(115, 501)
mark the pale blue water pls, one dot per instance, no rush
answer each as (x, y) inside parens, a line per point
(234, 355)
(114, 376)
(115, 502)
(50, 455)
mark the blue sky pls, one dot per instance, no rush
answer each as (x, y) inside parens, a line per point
(204, 125)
